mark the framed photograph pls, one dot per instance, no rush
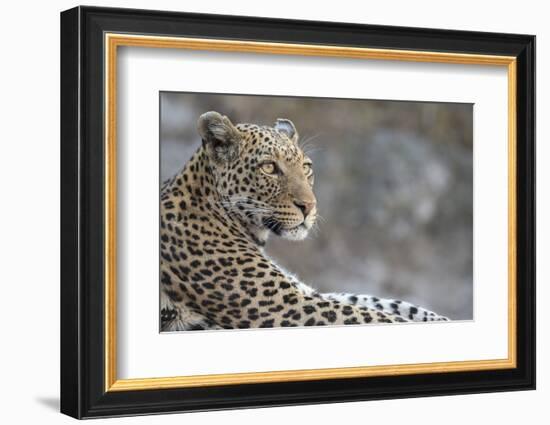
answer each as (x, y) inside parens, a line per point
(261, 212)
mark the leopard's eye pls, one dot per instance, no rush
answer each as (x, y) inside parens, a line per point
(307, 168)
(268, 167)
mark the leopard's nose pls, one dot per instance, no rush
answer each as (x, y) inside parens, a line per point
(305, 206)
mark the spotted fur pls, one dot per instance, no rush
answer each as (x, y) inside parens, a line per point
(244, 183)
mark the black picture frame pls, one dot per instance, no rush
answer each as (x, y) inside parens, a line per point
(83, 392)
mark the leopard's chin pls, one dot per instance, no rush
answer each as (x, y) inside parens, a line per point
(297, 233)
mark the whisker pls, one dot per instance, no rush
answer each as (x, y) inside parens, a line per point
(311, 150)
(307, 140)
(319, 217)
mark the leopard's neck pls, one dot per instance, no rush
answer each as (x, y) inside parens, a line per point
(195, 180)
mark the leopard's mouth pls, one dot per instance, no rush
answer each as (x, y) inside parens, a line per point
(273, 224)
(294, 233)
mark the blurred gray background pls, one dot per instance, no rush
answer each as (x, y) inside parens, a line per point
(393, 182)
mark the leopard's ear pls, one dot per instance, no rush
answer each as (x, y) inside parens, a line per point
(286, 127)
(219, 136)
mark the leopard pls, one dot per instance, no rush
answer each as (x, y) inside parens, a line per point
(244, 184)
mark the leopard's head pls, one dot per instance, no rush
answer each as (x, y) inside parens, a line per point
(261, 175)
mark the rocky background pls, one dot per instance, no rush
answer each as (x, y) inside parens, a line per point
(394, 186)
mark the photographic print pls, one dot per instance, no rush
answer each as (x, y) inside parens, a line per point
(301, 194)
(293, 211)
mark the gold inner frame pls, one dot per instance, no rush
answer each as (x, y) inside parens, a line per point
(113, 41)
